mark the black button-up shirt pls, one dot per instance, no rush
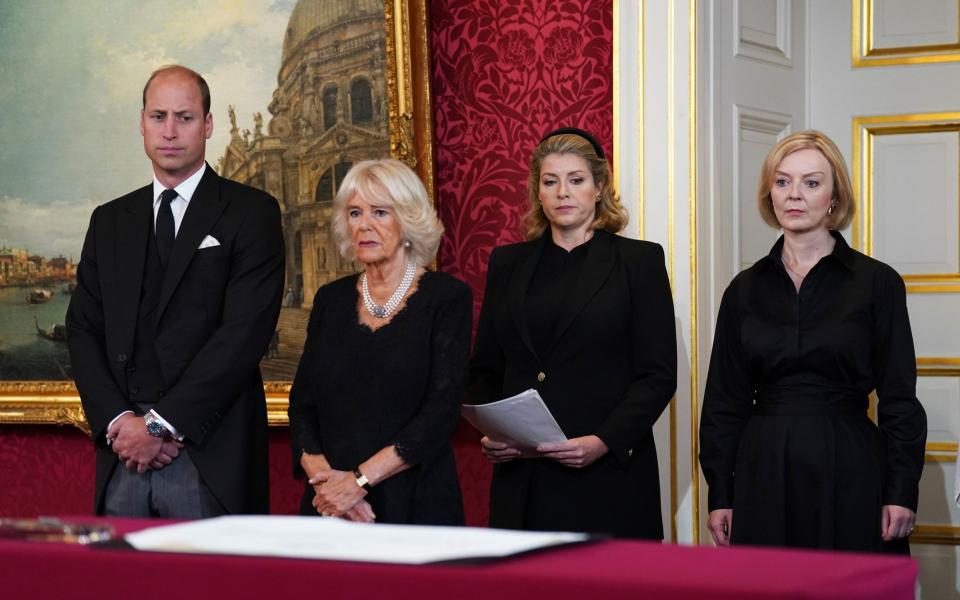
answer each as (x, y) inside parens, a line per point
(845, 333)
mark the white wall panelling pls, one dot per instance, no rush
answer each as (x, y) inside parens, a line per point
(758, 131)
(897, 126)
(901, 32)
(764, 68)
(915, 182)
(658, 168)
(762, 30)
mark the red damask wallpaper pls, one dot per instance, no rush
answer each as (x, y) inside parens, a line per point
(48, 470)
(504, 73)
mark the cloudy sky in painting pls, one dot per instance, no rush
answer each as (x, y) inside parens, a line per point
(71, 75)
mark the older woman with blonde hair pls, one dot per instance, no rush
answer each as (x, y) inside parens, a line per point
(377, 393)
(585, 317)
(802, 338)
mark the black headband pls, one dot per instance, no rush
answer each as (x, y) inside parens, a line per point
(578, 132)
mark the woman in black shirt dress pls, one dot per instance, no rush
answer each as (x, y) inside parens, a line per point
(377, 393)
(803, 336)
(585, 317)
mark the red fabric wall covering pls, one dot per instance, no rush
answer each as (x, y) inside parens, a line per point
(505, 73)
(48, 470)
(45, 470)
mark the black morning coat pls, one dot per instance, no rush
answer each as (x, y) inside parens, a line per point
(218, 310)
(610, 371)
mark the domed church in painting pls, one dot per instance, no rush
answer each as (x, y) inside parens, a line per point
(329, 110)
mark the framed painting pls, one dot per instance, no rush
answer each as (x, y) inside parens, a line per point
(324, 84)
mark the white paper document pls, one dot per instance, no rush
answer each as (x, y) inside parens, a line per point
(337, 539)
(523, 420)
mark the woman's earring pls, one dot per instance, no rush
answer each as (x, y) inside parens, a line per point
(833, 205)
(407, 244)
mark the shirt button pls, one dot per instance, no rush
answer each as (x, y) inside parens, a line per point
(541, 376)
(629, 452)
(135, 390)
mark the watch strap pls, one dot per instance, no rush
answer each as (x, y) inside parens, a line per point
(361, 479)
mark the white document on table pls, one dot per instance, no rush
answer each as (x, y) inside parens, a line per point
(523, 420)
(337, 539)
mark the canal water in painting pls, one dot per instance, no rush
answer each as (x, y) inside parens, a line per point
(25, 354)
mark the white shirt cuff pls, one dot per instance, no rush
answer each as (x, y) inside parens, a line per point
(173, 430)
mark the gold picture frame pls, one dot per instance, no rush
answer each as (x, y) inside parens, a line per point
(411, 134)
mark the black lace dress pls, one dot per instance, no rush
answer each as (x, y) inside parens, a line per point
(357, 391)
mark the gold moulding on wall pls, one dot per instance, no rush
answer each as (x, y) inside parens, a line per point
(938, 366)
(41, 403)
(945, 452)
(936, 534)
(411, 135)
(865, 52)
(865, 131)
(57, 403)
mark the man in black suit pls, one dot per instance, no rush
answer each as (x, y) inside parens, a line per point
(178, 294)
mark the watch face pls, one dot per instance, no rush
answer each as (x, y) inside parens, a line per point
(155, 428)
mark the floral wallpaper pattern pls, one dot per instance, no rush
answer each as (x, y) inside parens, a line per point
(505, 73)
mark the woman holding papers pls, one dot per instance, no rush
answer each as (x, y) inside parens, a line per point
(585, 317)
(377, 394)
(803, 336)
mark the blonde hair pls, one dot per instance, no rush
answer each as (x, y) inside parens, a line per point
(611, 216)
(845, 208)
(391, 183)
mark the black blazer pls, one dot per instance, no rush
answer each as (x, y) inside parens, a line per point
(217, 312)
(610, 372)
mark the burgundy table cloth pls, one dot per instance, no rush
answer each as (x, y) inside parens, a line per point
(606, 570)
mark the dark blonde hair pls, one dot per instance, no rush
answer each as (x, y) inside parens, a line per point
(611, 216)
(845, 208)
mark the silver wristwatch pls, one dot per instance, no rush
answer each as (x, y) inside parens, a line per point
(154, 426)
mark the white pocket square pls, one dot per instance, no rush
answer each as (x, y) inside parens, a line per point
(208, 242)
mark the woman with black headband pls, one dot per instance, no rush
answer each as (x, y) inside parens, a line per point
(585, 317)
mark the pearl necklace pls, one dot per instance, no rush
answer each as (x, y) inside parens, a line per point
(382, 312)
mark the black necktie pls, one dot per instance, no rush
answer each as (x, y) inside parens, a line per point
(165, 227)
